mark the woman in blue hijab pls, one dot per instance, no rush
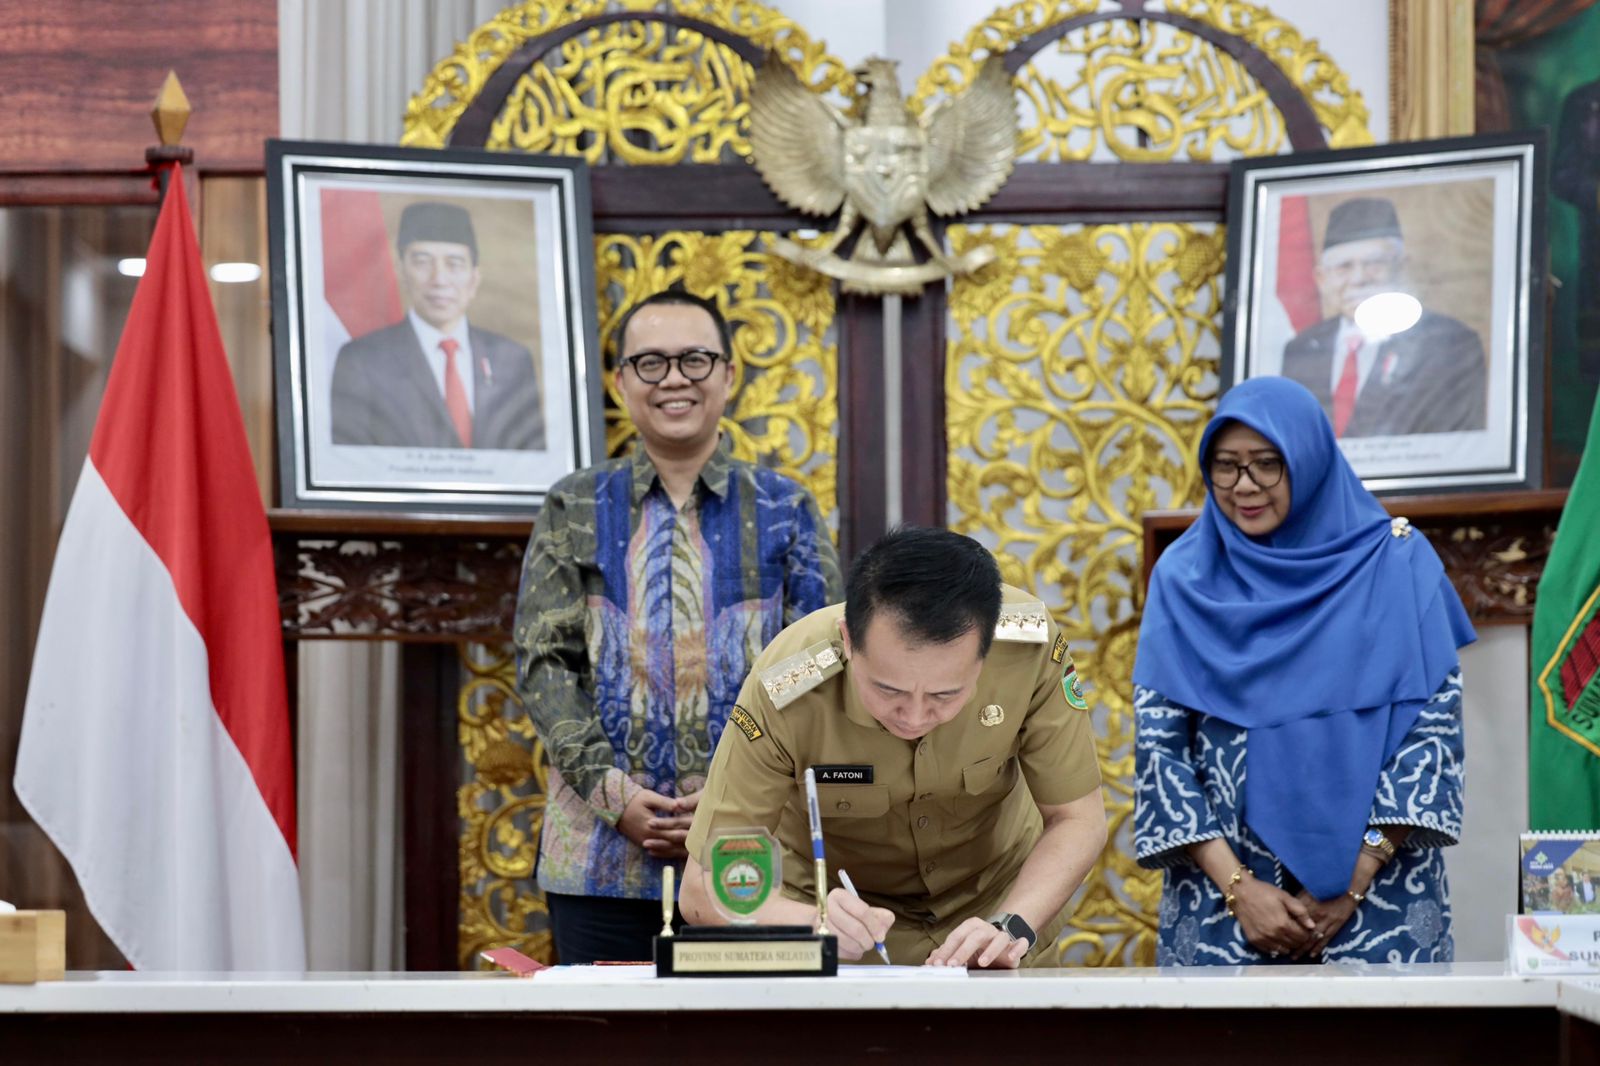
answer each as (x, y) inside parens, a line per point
(1298, 695)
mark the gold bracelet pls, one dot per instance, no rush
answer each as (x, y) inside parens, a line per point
(1228, 895)
(1359, 897)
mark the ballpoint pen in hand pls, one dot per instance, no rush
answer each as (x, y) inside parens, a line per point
(850, 887)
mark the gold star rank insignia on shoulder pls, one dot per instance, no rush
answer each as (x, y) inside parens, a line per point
(1072, 688)
(789, 679)
(1027, 621)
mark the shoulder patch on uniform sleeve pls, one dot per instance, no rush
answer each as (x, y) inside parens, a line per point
(1059, 652)
(746, 722)
(1027, 621)
(1072, 688)
(789, 679)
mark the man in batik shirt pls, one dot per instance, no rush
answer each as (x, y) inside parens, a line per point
(650, 584)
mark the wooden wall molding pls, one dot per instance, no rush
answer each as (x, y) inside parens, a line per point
(1432, 69)
(82, 75)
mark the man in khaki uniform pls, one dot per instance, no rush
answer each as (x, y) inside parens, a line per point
(955, 763)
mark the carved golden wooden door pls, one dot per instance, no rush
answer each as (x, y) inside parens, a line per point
(1077, 370)
(1081, 366)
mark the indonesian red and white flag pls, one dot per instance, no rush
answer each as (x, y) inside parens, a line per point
(155, 739)
(1294, 301)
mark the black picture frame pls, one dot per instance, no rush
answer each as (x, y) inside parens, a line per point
(1463, 240)
(367, 416)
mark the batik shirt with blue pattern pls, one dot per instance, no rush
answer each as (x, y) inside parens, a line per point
(1191, 777)
(636, 624)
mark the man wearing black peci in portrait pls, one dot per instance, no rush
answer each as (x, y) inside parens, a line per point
(1430, 378)
(432, 380)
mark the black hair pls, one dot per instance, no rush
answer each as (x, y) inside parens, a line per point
(682, 297)
(939, 585)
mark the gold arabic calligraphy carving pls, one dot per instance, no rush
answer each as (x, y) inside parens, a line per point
(1082, 368)
(884, 170)
(1147, 93)
(627, 92)
(1339, 108)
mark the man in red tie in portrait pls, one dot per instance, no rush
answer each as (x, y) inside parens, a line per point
(432, 380)
(1427, 377)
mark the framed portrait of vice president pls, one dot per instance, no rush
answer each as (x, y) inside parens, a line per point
(1403, 285)
(433, 327)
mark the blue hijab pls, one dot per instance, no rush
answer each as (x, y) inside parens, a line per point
(1324, 638)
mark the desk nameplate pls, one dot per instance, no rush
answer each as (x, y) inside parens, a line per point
(755, 951)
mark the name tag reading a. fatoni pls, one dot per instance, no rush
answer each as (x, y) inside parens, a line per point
(843, 775)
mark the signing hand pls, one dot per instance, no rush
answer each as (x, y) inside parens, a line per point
(976, 943)
(1330, 916)
(1274, 922)
(857, 925)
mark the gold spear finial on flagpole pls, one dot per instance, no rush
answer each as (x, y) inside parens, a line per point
(171, 113)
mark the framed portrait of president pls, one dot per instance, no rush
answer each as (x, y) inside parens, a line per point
(433, 318)
(1403, 285)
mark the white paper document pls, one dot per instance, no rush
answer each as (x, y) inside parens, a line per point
(595, 974)
(913, 973)
(610, 974)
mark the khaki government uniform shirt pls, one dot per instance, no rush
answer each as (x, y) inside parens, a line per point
(934, 830)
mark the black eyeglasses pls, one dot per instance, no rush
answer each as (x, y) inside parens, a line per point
(695, 364)
(1265, 472)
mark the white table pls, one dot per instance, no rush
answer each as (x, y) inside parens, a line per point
(1304, 1014)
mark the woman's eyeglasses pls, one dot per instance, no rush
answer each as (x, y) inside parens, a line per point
(693, 363)
(1265, 472)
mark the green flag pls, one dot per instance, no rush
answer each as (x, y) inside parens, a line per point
(1564, 734)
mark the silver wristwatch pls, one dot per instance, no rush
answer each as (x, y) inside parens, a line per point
(1014, 926)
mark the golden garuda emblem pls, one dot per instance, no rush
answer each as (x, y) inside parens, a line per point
(884, 172)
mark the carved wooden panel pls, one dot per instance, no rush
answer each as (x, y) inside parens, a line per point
(448, 586)
(1495, 564)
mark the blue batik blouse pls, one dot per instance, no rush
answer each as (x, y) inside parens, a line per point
(1191, 775)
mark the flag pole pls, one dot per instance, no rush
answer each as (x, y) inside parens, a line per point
(164, 771)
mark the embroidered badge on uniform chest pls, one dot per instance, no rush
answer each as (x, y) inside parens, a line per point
(993, 714)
